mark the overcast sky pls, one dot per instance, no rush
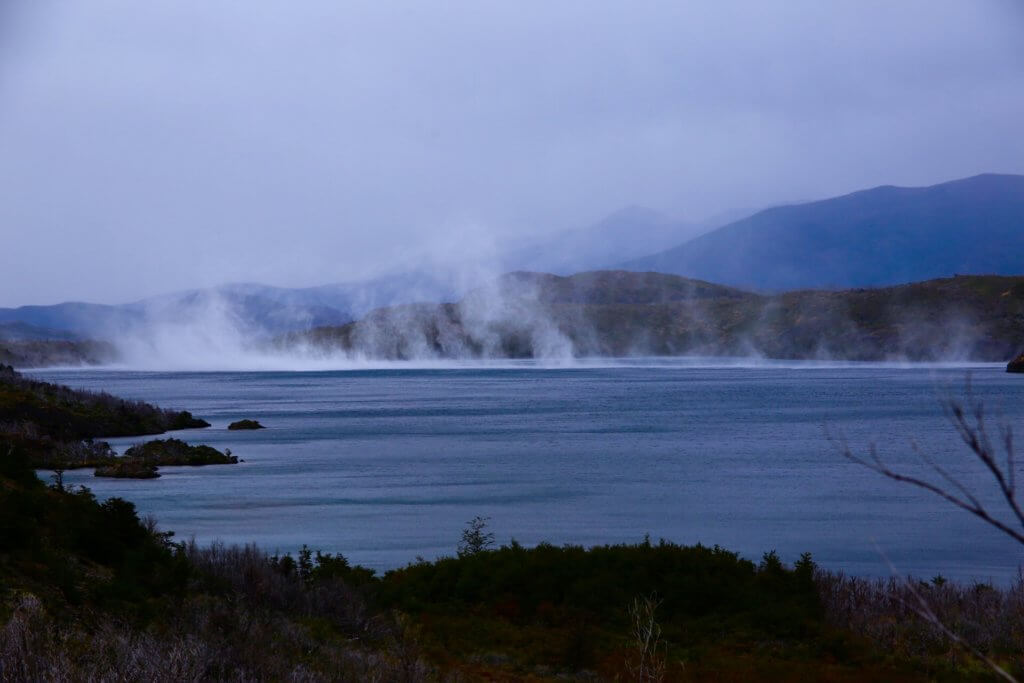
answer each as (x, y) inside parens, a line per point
(160, 145)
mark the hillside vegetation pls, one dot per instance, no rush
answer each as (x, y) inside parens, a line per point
(618, 313)
(38, 353)
(59, 412)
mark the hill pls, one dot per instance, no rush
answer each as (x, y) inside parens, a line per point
(48, 353)
(55, 411)
(618, 313)
(883, 236)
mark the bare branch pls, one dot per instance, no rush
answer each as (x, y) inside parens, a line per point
(945, 475)
(925, 611)
(979, 511)
(970, 426)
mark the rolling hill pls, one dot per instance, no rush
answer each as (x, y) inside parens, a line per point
(617, 313)
(883, 236)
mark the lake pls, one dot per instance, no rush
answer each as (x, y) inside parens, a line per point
(389, 463)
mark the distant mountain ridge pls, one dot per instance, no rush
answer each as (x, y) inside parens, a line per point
(260, 309)
(257, 311)
(878, 237)
(883, 236)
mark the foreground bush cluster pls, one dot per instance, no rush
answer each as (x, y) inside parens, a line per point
(91, 592)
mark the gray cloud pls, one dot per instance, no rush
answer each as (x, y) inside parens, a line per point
(152, 146)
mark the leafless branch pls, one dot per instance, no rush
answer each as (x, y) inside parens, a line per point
(971, 427)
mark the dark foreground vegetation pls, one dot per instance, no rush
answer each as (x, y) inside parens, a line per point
(88, 591)
(617, 313)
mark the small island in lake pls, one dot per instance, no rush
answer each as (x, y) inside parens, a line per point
(141, 461)
(245, 424)
(1016, 365)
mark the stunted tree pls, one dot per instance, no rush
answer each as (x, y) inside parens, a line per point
(475, 537)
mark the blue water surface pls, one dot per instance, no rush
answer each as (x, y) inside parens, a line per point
(388, 464)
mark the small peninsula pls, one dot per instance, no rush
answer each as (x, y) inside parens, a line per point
(56, 427)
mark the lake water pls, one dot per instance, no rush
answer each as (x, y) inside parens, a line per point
(388, 464)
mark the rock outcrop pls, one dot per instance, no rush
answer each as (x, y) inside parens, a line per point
(245, 424)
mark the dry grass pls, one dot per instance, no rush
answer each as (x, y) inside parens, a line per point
(913, 619)
(249, 622)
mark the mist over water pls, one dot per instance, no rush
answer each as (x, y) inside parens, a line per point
(557, 321)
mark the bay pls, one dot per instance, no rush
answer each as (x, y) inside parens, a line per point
(388, 463)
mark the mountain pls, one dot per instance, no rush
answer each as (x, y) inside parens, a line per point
(619, 313)
(254, 308)
(883, 236)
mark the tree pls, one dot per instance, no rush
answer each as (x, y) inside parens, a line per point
(475, 537)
